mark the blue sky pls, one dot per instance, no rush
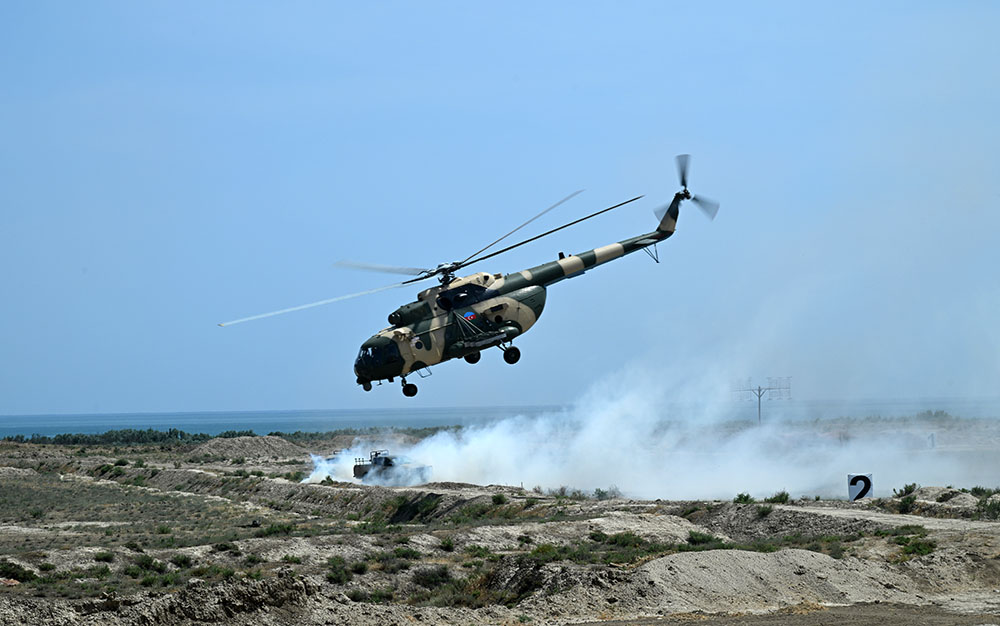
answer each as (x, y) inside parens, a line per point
(168, 167)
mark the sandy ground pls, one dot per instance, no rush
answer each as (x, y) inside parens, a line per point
(227, 534)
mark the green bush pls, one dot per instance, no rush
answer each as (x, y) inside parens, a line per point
(744, 498)
(448, 544)
(406, 553)
(906, 490)
(479, 552)
(763, 510)
(696, 538)
(359, 567)
(779, 498)
(148, 563)
(288, 558)
(907, 504)
(226, 546)
(338, 573)
(104, 557)
(432, 577)
(499, 499)
(919, 547)
(275, 529)
(181, 560)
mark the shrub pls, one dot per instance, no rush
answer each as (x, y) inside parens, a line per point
(359, 567)
(356, 595)
(226, 546)
(162, 529)
(907, 504)
(906, 490)
(779, 498)
(627, 539)
(181, 560)
(274, 529)
(432, 577)
(479, 552)
(148, 563)
(696, 538)
(448, 544)
(47, 567)
(763, 510)
(499, 499)
(338, 573)
(405, 553)
(254, 559)
(288, 558)
(104, 557)
(919, 547)
(121, 463)
(744, 498)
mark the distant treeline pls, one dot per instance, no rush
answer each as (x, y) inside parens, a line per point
(371, 430)
(126, 436)
(131, 436)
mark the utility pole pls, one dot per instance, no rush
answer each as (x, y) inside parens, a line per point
(781, 388)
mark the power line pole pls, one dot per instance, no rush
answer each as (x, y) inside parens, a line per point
(780, 386)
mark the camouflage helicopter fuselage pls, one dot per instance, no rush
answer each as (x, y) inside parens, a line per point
(469, 314)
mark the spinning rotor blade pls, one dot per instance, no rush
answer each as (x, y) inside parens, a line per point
(312, 304)
(709, 207)
(660, 211)
(375, 267)
(569, 197)
(536, 237)
(682, 168)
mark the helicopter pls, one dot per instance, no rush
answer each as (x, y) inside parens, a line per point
(464, 315)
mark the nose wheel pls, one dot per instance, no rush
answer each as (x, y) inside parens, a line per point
(512, 355)
(473, 358)
(409, 389)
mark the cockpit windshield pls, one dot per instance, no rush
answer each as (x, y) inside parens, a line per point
(374, 356)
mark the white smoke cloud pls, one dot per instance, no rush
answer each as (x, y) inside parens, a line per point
(628, 431)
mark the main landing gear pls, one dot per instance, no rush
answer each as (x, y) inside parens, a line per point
(473, 358)
(409, 389)
(511, 355)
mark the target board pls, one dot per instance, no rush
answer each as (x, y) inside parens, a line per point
(859, 486)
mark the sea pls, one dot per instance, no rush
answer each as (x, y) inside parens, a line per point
(313, 420)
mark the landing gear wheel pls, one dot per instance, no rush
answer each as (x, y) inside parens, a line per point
(367, 386)
(473, 358)
(512, 355)
(409, 390)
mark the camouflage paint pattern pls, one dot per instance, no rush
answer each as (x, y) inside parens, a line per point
(499, 308)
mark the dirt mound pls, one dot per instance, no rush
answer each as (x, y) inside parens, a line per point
(749, 522)
(722, 580)
(249, 447)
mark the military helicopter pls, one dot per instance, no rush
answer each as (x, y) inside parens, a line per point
(462, 316)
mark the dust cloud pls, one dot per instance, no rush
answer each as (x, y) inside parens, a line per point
(630, 435)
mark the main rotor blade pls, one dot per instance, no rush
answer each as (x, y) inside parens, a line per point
(710, 207)
(311, 305)
(375, 267)
(536, 237)
(682, 168)
(567, 198)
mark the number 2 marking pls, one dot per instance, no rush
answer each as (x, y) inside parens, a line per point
(864, 490)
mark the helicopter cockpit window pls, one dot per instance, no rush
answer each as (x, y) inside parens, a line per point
(379, 355)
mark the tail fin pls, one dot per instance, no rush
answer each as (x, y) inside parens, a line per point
(668, 218)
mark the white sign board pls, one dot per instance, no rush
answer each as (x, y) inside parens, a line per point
(859, 486)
